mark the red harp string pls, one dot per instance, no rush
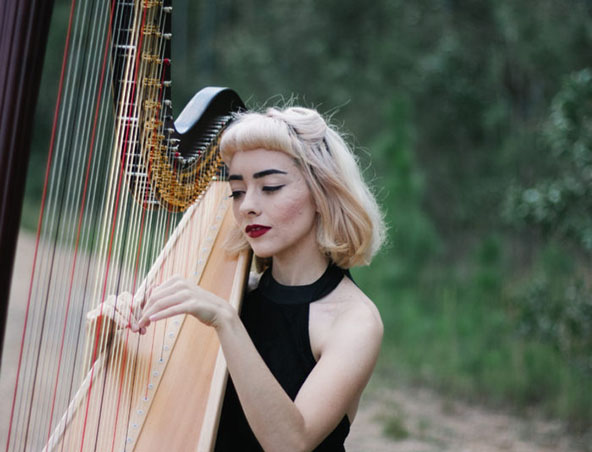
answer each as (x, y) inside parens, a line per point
(130, 197)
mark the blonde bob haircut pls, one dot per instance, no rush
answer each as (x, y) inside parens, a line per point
(350, 227)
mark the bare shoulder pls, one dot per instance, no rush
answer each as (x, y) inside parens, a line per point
(346, 314)
(360, 317)
(349, 306)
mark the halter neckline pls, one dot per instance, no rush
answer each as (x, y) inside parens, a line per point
(295, 295)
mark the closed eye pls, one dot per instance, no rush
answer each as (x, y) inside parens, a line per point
(236, 194)
(272, 187)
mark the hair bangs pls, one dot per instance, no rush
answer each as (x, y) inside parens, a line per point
(255, 131)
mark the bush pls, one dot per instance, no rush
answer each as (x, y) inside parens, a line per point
(561, 201)
(555, 306)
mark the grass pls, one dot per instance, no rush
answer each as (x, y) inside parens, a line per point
(394, 426)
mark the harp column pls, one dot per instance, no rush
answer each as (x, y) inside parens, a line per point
(23, 39)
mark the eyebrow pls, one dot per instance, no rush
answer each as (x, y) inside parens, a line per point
(257, 175)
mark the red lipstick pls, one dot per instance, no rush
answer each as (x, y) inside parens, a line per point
(256, 230)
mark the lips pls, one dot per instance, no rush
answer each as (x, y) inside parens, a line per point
(256, 230)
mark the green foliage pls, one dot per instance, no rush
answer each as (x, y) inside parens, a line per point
(471, 346)
(413, 240)
(487, 277)
(475, 328)
(561, 201)
(554, 306)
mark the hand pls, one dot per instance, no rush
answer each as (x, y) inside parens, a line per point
(115, 313)
(180, 296)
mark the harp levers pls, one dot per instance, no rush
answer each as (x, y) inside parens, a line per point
(131, 197)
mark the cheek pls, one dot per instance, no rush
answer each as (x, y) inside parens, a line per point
(235, 213)
(297, 210)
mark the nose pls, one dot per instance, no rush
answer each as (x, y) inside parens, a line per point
(250, 205)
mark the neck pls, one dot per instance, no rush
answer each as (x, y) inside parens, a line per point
(299, 272)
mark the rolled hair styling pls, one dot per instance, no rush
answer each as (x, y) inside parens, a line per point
(350, 227)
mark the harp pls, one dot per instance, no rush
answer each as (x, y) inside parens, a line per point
(132, 196)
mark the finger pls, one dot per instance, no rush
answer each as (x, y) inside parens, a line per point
(152, 295)
(122, 305)
(126, 305)
(141, 296)
(98, 310)
(107, 312)
(166, 288)
(124, 309)
(173, 285)
(101, 328)
(141, 302)
(161, 304)
(119, 309)
(158, 305)
(130, 309)
(169, 312)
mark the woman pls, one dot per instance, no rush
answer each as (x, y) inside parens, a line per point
(305, 345)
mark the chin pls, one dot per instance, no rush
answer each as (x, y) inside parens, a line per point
(262, 254)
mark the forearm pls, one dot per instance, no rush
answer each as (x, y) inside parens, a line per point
(274, 418)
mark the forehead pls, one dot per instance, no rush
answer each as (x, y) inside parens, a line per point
(249, 162)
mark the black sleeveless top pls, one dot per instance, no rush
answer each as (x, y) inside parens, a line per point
(276, 318)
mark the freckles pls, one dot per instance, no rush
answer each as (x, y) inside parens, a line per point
(295, 207)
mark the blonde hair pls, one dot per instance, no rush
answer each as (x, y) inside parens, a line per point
(350, 227)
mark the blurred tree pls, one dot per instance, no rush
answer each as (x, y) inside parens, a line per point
(479, 77)
(561, 200)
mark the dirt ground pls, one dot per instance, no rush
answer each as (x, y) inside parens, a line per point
(418, 419)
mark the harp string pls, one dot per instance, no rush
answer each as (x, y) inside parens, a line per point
(17, 401)
(108, 244)
(163, 274)
(83, 112)
(116, 241)
(101, 95)
(50, 256)
(122, 389)
(126, 386)
(162, 119)
(87, 174)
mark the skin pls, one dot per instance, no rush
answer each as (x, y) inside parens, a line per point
(345, 327)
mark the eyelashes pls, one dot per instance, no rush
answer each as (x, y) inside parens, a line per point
(272, 187)
(267, 188)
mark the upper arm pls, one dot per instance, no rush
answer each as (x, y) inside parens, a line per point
(343, 370)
